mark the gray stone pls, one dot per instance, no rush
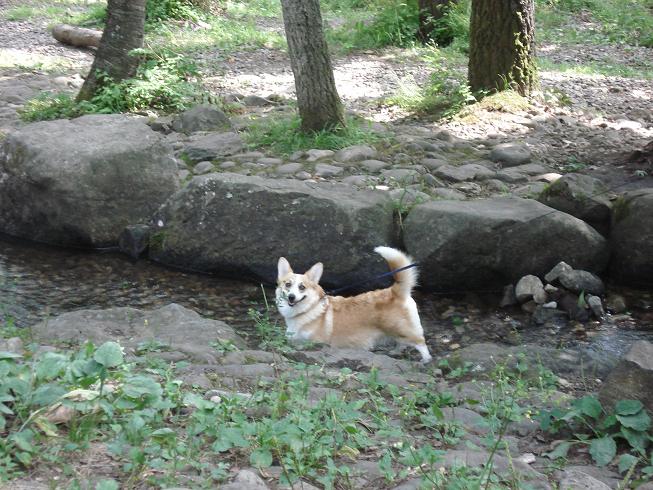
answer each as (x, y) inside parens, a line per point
(578, 480)
(409, 197)
(269, 161)
(530, 191)
(226, 165)
(359, 180)
(510, 154)
(470, 171)
(79, 182)
(374, 166)
(181, 329)
(496, 241)
(203, 168)
(495, 185)
(303, 175)
(511, 176)
(632, 378)
(214, 145)
(355, 153)
(134, 240)
(596, 306)
(326, 170)
(13, 345)
(616, 303)
(631, 237)
(257, 101)
(315, 155)
(248, 156)
(548, 313)
(470, 420)
(433, 163)
(501, 464)
(403, 176)
(529, 287)
(508, 298)
(559, 269)
(449, 194)
(577, 281)
(246, 479)
(288, 168)
(581, 196)
(204, 117)
(202, 227)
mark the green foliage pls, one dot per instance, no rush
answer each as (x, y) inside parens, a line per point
(600, 430)
(156, 10)
(164, 83)
(454, 25)
(282, 136)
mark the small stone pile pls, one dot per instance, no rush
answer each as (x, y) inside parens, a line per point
(565, 294)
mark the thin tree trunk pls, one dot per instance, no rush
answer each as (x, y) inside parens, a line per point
(317, 98)
(430, 11)
(123, 33)
(502, 46)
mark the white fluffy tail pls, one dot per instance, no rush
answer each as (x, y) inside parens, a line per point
(405, 280)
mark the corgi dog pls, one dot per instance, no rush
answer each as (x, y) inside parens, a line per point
(355, 322)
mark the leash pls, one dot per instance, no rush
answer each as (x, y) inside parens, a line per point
(332, 292)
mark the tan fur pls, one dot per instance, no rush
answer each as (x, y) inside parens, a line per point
(358, 321)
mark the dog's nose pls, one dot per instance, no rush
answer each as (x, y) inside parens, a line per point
(291, 297)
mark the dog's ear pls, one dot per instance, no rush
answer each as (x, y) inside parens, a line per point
(283, 268)
(315, 272)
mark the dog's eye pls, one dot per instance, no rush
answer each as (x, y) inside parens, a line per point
(302, 287)
(288, 284)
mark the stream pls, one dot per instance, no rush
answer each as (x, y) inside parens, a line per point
(40, 281)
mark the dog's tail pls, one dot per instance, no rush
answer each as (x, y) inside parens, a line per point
(405, 280)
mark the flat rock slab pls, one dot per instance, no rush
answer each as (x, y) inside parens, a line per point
(233, 224)
(213, 145)
(174, 328)
(79, 182)
(489, 243)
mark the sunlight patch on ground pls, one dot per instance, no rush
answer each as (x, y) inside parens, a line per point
(24, 59)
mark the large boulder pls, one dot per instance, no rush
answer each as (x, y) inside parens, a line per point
(581, 196)
(238, 225)
(488, 243)
(79, 182)
(632, 239)
(632, 378)
(177, 332)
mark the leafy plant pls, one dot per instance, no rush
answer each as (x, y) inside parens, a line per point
(592, 426)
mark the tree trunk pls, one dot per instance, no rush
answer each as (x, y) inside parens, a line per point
(430, 11)
(124, 32)
(317, 98)
(502, 46)
(76, 36)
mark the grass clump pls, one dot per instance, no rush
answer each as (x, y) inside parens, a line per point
(283, 136)
(164, 83)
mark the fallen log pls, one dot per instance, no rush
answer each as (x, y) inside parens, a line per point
(76, 36)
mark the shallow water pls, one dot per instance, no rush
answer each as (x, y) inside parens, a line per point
(39, 281)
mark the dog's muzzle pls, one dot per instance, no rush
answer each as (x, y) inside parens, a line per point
(296, 302)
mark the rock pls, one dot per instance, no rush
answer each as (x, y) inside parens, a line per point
(203, 168)
(408, 197)
(315, 155)
(470, 420)
(359, 180)
(213, 145)
(616, 303)
(242, 225)
(204, 117)
(577, 281)
(355, 153)
(134, 240)
(631, 237)
(510, 154)
(403, 176)
(79, 182)
(288, 168)
(248, 156)
(181, 329)
(257, 101)
(548, 313)
(433, 163)
(470, 171)
(13, 344)
(529, 287)
(557, 271)
(246, 479)
(501, 465)
(269, 161)
(374, 166)
(578, 480)
(530, 191)
(575, 309)
(449, 194)
(581, 196)
(632, 378)
(508, 298)
(325, 170)
(493, 242)
(495, 185)
(594, 302)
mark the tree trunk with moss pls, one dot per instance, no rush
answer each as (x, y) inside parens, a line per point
(430, 11)
(502, 46)
(319, 105)
(123, 33)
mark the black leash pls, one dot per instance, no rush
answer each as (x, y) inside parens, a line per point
(333, 292)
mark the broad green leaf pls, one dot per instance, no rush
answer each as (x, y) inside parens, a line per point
(51, 365)
(107, 485)
(142, 386)
(603, 450)
(47, 394)
(628, 407)
(109, 355)
(560, 450)
(626, 461)
(640, 421)
(23, 440)
(590, 406)
(47, 427)
(261, 458)
(9, 355)
(638, 440)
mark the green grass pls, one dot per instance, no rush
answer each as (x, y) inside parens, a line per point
(594, 68)
(282, 136)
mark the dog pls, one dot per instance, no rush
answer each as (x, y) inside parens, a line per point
(354, 322)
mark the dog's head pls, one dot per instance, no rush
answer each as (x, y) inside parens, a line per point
(297, 293)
